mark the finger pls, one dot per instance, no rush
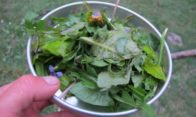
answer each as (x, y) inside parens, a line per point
(27, 89)
(4, 88)
(36, 107)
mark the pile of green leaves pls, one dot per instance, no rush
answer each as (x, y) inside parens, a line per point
(114, 64)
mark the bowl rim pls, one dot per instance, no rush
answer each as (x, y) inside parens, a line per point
(65, 104)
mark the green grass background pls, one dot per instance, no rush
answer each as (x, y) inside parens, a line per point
(179, 100)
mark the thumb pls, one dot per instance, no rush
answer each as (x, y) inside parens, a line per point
(28, 89)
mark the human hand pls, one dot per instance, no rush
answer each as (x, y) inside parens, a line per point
(28, 95)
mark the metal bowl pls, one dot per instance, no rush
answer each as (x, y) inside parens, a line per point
(73, 103)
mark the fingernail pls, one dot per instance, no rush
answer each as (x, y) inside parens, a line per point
(51, 80)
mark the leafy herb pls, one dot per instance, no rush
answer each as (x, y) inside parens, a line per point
(114, 63)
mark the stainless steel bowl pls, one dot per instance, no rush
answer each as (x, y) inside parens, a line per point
(73, 103)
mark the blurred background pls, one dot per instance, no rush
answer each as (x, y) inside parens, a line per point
(179, 100)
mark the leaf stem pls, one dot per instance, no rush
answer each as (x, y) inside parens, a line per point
(162, 41)
(92, 42)
(64, 93)
(87, 6)
(115, 8)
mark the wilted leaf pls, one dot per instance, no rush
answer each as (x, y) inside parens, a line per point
(121, 44)
(107, 79)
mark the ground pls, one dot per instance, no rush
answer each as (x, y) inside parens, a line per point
(179, 16)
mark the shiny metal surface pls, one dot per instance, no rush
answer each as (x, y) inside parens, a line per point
(73, 103)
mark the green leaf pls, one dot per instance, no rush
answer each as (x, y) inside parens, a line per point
(91, 70)
(95, 43)
(148, 110)
(68, 56)
(90, 29)
(40, 25)
(64, 82)
(154, 69)
(86, 81)
(74, 30)
(126, 98)
(28, 25)
(106, 20)
(150, 52)
(115, 62)
(72, 19)
(138, 91)
(162, 45)
(89, 84)
(39, 67)
(138, 61)
(107, 79)
(59, 20)
(150, 83)
(120, 45)
(99, 63)
(85, 59)
(58, 47)
(37, 26)
(142, 37)
(101, 33)
(137, 80)
(91, 96)
(49, 36)
(153, 89)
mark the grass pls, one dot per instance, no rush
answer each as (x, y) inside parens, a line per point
(179, 16)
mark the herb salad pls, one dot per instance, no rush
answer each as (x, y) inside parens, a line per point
(113, 64)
